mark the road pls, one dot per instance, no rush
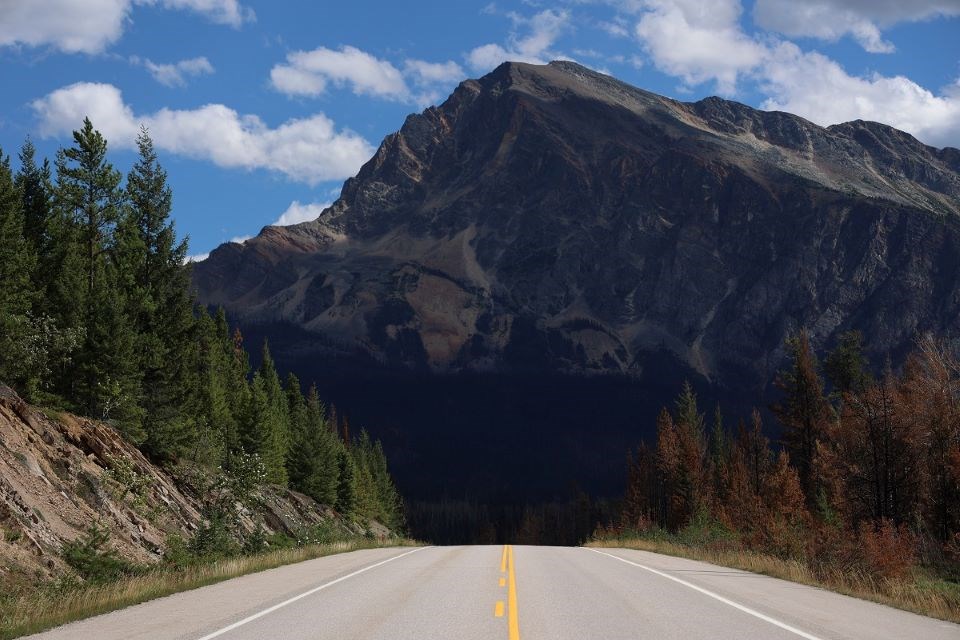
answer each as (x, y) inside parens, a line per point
(505, 592)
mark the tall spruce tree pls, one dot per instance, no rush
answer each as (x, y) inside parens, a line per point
(265, 425)
(156, 285)
(36, 194)
(88, 191)
(17, 294)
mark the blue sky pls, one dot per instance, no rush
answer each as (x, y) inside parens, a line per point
(261, 109)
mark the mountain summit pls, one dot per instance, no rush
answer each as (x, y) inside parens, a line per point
(551, 217)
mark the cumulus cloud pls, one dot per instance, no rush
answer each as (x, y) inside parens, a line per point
(834, 19)
(297, 213)
(699, 42)
(427, 73)
(228, 12)
(310, 73)
(91, 26)
(309, 150)
(175, 74)
(199, 257)
(696, 43)
(543, 29)
(812, 85)
(73, 27)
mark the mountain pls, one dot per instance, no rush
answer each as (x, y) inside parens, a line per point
(559, 241)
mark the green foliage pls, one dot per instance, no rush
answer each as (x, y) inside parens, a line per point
(93, 560)
(17, 295)
(846, 367)
(96, 317)
(129, 481)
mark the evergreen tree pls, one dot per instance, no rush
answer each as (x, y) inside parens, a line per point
(156, 286)
(846, 366)
(17, 294)
(36, 193)
(88, 191)
(803, 412)
(301, 456)
(325, 448)
(265, 425)
(346, 483)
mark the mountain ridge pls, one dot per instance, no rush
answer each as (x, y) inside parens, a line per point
(412, 207)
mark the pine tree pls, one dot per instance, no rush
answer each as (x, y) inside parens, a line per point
(17, 296)
(301, 456)
(846, 367)
(265, 426)
(156, 287)
(346, 484)
(325, 449)
(803, 413)
(36, 193)
(88, 191)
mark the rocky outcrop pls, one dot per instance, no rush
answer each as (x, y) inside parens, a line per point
(554, 218)
(59, 474)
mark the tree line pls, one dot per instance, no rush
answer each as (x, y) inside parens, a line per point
(867, 473)
(97, 317)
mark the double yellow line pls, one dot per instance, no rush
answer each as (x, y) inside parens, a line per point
(506, 566)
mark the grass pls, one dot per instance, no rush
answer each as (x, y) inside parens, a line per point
(50, 607)
(922, 593)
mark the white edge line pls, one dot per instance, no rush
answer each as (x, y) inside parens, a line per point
(260, 614)
(735, 605)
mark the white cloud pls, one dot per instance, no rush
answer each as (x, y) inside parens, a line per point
(819, 89)
(427, 73)
(309, 72)
(536, 47)
(699, 42)
(92, 25)
(199, 257)
(308, 150)
(239, 239)
(228, 12)
(175, 74)
(834, 19)
(73, 27)
(297, 213)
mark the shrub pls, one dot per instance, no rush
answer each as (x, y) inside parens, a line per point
(888, 550)
(93, 560)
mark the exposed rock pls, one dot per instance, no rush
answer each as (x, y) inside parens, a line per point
(554, 218)
(53, 488)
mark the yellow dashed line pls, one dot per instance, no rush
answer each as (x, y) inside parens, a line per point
(498, 610)
(513, 623)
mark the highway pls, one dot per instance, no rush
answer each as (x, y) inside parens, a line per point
(505, 593)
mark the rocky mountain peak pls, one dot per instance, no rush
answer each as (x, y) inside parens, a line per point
(555, 218)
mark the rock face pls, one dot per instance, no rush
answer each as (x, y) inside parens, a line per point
(58, 476)
(551, 218)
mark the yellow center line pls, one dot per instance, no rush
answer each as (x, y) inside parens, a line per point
(503, 582)
(498, 611)
(513, 623)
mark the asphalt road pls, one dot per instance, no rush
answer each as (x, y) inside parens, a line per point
(495, 592)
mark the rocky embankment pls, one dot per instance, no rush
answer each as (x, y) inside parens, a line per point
(60, 474)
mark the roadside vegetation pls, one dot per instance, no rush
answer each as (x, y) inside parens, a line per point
(113, 584)
(97, 319)
(862, 496)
